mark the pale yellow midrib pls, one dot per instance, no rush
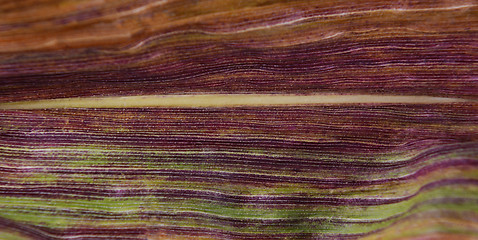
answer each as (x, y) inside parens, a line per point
(223, 100)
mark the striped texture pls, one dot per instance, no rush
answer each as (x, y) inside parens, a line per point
(97, 141)
(111, 48)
